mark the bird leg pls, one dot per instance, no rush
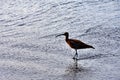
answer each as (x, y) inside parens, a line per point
(76, 55)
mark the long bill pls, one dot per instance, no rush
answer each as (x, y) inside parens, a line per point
(59, 35)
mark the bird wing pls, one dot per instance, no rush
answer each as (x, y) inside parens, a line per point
(77, 44)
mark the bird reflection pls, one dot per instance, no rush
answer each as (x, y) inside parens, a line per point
(73, 70)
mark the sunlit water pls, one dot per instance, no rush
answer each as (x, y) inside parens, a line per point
(29, 49)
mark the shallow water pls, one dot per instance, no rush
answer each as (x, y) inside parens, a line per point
(29, 49)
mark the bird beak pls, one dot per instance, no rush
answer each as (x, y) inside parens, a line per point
(59, 35)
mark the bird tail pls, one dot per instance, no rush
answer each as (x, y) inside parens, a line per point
(91, 47)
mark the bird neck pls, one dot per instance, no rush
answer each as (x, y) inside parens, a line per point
(66, 37)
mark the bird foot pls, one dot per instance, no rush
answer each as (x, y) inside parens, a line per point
(74, 58)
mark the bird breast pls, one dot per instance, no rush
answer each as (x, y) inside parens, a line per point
(73, 44)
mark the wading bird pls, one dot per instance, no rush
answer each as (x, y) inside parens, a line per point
(75, 44)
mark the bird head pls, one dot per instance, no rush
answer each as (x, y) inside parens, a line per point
(65, 34)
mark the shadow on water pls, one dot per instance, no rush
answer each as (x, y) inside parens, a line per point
(97, 56)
